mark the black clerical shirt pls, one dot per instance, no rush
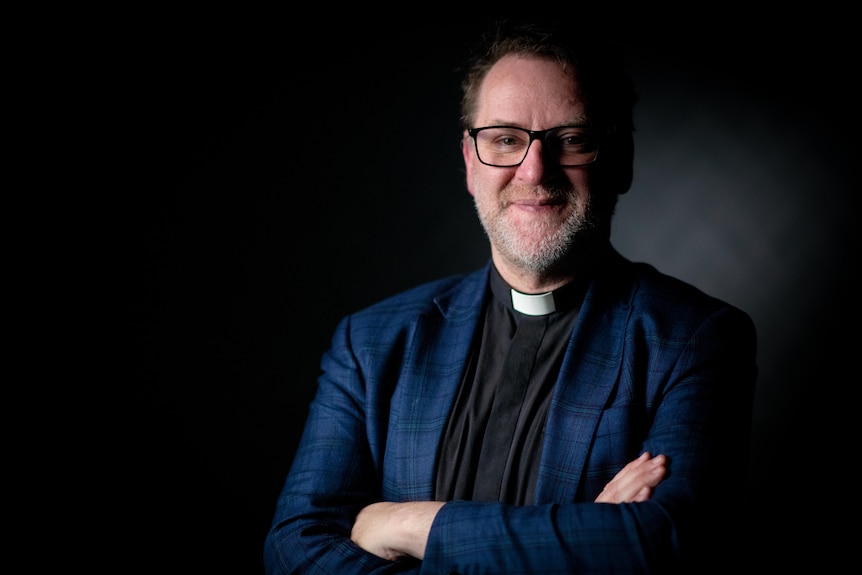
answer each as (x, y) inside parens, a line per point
(493, 440)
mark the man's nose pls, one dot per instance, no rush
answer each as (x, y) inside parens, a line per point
(532, 169)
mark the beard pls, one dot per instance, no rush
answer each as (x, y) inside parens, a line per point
(540, 246)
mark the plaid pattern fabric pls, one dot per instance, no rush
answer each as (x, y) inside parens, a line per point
(653, 364)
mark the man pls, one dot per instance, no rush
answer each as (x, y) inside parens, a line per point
(506, 421)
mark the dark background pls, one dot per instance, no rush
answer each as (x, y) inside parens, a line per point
(280, 173)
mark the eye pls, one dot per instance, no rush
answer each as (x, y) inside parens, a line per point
(575, 139)
(507, 137)
(503, 139)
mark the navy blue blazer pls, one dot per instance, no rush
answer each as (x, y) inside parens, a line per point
(653, 364)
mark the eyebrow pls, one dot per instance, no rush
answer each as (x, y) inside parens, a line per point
(573, 122)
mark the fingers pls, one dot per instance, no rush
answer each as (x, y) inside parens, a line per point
(636, 480)
(642, 495)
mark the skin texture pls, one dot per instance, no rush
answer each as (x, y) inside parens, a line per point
(537, 216)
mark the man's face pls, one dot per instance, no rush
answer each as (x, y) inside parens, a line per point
(534, 213)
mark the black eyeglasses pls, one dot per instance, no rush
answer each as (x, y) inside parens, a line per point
(507, 146)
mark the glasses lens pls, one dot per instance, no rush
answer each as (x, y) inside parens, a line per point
(504, 146)
(572, 146)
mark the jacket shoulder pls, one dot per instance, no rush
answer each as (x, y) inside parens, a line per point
(448, 294)
(666, 300)
(656, 287)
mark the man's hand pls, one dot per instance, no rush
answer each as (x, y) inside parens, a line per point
(635, 481)
(394, 530)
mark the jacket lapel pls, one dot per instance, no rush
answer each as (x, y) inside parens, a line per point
(432, 371)
(438, 352)
(589, 374)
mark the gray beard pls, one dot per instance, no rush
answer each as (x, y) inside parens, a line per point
(555, 248)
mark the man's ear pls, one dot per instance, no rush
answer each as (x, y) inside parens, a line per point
(468, 152)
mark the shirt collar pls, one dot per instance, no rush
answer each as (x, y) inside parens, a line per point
(561, 299)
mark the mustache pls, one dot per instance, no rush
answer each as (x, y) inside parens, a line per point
(539, 191)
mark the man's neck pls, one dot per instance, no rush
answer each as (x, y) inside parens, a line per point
(533, 282)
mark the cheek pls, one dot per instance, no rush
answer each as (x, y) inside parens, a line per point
(581, 181)
(469, 165)
(470, 184)
(482, 179)
(485, 186)
(487, 181)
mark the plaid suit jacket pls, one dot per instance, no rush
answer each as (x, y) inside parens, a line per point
(653, 365)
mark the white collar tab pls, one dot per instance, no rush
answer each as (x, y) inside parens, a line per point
(537, 304)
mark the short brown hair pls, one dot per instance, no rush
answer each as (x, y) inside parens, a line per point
(609, 88)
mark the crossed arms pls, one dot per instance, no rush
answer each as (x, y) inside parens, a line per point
(397, 530)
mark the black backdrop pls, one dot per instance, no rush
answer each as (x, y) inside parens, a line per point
(287, 172)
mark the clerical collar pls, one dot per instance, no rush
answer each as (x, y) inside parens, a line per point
(533, 304)
(561, 299)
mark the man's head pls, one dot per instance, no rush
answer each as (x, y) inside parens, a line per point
(547, 146)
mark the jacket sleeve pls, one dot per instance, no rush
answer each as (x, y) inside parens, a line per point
(690, 392)
(699, 400)
(335, 473)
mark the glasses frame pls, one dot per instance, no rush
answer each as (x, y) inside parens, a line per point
(534, 135)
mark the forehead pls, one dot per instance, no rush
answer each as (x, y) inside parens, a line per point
(530, 91)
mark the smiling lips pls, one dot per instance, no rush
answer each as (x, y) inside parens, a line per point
(537, 204)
